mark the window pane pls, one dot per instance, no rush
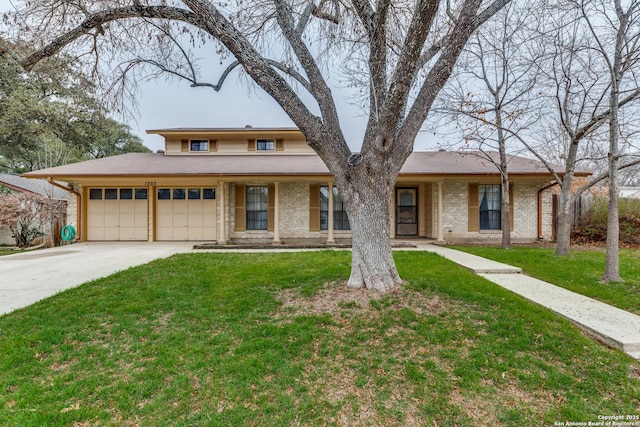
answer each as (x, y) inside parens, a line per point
(179, 194)
(95, 194)
(111, 194)
(257, 203)
(209, 193)
(199, 145)
(164, 194)
(141, 194)
(340, 218)
(489, 207)
(126, 194)
(265, 144)
(194, 193)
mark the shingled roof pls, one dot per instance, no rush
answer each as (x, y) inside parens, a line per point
(423, 163)
(35, 186)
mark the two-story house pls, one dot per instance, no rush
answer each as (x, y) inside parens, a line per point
(267, 185)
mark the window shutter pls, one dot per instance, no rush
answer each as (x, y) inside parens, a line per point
(213, 145)
(251, 145)
(185, 145)
(271, 196)
(314, 208)
(241, 215)
(511, 222)
(279, 144)
(474, 208)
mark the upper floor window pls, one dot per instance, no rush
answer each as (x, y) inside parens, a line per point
(199, 145)
(265, 144)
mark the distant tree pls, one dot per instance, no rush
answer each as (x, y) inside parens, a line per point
(51, 117)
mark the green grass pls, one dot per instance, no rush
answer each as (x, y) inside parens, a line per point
(580, 271)
(276, 339)
(9, 251)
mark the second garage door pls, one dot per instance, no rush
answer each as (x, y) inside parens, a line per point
(186, 214)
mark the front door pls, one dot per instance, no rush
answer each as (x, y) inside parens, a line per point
(406, 212)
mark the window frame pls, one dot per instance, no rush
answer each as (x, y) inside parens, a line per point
(489, 222)
(199, 142)
(340, 216)
(269, 144)
(257, 219)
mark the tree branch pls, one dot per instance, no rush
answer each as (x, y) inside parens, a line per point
(96, 20)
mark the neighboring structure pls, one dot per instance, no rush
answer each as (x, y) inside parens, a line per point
(39, 187)
(629, 192)
(267, 185)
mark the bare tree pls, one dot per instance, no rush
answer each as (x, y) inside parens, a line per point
(490, 95)
(406, 49)
(617, 42)
(576, 82)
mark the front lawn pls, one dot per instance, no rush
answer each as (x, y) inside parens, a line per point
(580, 271)
(276, 339)
(9, 251)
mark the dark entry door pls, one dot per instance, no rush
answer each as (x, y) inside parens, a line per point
(406, 212)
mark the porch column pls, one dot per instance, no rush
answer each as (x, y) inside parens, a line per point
(222, 217)
(440, 226)
(330, 238)
(276, 214)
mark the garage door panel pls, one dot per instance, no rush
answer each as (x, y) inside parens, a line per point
(209, 206)
(127, 233)
(127, 220)
(95, 233)
(116, 219)
(111, 221)
(111, 207)
(179, 206)
(190, 218)
(209, 221)
(209, 233)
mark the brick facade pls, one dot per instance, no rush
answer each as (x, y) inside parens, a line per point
(294, 214)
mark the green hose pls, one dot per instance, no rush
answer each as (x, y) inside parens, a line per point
(68, 233)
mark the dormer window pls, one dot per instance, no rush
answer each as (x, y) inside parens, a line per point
(265, 144)
(198, 145)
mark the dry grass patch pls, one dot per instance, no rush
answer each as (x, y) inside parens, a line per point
(334, 297)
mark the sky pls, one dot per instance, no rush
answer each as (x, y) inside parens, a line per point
(165, 103)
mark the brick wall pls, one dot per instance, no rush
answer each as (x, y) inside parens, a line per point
(294, 215)
(525, 201)
(72, 206)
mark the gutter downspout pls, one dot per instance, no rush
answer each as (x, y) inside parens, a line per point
(78, 206)
(540, 236)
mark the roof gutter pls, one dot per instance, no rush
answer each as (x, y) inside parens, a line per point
(540, 191)
(78, 205)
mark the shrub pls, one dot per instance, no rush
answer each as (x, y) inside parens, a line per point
(592, 226)
(19, 213)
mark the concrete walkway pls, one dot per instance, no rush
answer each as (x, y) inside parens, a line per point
(28, 277)
(618, 328)
(32, 276)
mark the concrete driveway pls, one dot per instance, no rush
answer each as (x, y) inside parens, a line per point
(31, 276)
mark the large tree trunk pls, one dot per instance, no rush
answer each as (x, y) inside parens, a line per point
(367, 197)
(563, 219)
(372, 262)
